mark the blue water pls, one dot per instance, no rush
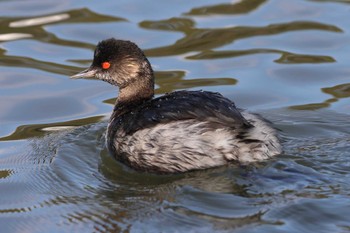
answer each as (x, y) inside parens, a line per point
(286, 60)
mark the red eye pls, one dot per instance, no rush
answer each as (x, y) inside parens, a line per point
(106, 65)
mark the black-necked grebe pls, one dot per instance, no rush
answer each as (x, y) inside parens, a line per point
(179, 131)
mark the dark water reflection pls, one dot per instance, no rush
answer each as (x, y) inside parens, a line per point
(287, 60)
(242, 7)
(204, 39)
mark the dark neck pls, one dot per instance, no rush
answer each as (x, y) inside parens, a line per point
(130, 98)
(134, 94)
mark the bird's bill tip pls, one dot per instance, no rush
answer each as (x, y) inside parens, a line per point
(88, 73)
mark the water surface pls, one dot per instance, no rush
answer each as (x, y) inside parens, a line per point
(286, 60)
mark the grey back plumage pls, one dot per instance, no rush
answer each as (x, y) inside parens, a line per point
(186, 130)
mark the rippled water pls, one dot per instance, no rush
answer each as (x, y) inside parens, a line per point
(285, 59)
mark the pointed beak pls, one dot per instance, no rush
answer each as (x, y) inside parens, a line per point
(88, 73)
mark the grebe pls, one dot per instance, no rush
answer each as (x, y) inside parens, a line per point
(179, 131)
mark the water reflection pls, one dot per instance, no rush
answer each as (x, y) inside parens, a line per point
(5, 173)
(169, 81)
(39, 21)
(33, 27)
(39, 130)
(338, 91)
(339, 1)
(13, 36)
(55, 172)
(286, 57)
(203, 39)
(241, 7)
(27, 62)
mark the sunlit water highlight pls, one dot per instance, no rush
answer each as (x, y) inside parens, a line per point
(287, 60)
